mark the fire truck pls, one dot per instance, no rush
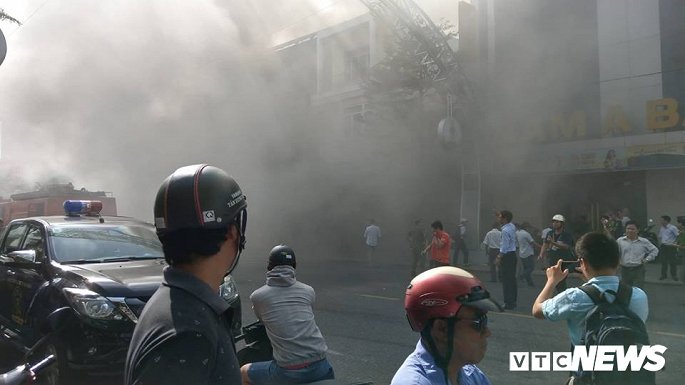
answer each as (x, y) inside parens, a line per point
(49, 200)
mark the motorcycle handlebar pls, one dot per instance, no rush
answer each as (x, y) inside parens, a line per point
(252, 332)
(42, 364)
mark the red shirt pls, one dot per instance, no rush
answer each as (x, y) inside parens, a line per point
(441, 253)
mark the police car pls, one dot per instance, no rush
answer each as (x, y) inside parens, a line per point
(105, 268)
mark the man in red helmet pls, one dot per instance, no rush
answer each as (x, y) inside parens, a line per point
(448, 306)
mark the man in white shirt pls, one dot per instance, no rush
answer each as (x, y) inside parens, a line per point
(372, 234)
(526, 251)
(634, 252)
(667, 249)
(543, 236)
(492, 242)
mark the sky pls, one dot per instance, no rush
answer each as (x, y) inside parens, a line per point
(115, 95)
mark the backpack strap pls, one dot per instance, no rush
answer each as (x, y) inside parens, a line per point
(624, 294)
(592, 292)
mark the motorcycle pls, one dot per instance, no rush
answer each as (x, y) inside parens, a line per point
(646, 232)
(258, 348)
(27, 373)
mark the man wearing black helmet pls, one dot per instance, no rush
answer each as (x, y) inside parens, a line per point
(284, 306)
(183, 335)
(448, 306)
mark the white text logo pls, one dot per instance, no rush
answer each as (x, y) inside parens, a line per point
(591, 358)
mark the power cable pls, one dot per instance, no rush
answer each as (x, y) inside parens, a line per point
(29, 17)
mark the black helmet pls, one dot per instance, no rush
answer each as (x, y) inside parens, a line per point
(200, 196)
(281, 255)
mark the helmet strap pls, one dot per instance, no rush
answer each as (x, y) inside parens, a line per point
(441, 361)
(241, 224)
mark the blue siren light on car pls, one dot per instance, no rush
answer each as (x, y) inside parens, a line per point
(77, 207)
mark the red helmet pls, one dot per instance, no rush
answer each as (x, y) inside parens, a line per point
(441, 292)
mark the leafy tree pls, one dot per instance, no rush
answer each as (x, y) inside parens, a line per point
(400, 74)
(5, 16)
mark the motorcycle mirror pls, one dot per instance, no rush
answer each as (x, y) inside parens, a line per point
(3, 47)
(58, 320)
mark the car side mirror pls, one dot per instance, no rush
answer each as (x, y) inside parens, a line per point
(23, 256)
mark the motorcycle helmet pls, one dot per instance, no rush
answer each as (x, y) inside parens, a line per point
(441, 292)
(281, 255)
(200, 197)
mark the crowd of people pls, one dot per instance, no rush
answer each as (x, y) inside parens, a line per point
(542, 248)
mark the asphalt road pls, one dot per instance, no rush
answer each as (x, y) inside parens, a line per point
(359, 310)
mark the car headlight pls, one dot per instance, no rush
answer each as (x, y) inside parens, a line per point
(92, 304)
(228, 290)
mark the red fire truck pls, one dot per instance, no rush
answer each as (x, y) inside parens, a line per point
(49, 200)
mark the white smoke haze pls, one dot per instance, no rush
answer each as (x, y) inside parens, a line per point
(115, 95)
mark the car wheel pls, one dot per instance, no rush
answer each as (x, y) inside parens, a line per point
(58, 373)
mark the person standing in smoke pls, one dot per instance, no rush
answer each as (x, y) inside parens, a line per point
(460, 243)
(526, 251)
(668, 248)
(492, 242)
(372, 234)
(417, 241)
(506, 260)
(558, 245)
(439, 246)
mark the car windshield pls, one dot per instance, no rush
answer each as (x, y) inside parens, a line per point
(101, 243)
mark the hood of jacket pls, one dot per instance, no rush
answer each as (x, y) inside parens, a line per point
(282, 275)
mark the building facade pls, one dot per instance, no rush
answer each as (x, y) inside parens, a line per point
(585, 102)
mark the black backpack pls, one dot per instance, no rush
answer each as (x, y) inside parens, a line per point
(613, 323)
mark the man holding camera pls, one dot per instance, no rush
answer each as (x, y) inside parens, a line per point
(558, 246)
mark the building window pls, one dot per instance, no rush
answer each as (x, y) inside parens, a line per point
(358, 119)
(356, 64)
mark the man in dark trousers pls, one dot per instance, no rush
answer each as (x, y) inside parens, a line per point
(507, 259)
(460, 243)
(492, 243)
(668, 248)
(417, 241)
(183, 335)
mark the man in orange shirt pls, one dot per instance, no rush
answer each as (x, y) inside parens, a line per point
(439, 246)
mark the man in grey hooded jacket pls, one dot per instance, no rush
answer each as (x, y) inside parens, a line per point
(284, 306)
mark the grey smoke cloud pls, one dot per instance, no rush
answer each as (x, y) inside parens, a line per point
(114, 96)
